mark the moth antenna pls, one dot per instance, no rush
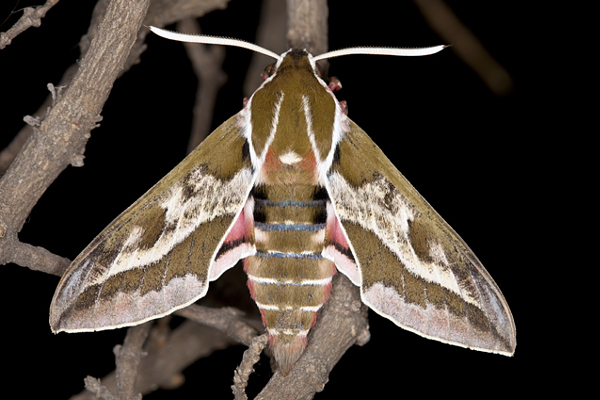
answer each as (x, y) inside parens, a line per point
(184, 37)
(386, 51)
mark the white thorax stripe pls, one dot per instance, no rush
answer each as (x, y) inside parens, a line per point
(274, 123)
(309, 130)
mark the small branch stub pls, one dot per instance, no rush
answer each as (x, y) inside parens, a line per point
(242, 373)
(95, 386)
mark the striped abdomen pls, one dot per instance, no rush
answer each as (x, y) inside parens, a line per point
(288, 277)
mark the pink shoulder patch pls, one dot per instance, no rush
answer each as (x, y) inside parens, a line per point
(337, 248)
(236, 244)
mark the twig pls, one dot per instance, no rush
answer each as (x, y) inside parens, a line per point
(96, 387)
(33, 257)
(270, 34)
(61, 137)
(242, 373)
(128, 360)
(224, 319)
(160, 13)
(31, 17)
(168, 355)
(166, 12)
(207, 62)
(443, 20)
(307, 25)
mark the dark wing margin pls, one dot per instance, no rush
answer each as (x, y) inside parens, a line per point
(160, 253)
(414, 269)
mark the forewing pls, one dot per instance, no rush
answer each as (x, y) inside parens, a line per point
(160, 253)
(414, 269)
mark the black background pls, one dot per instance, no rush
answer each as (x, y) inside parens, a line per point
(469, 152)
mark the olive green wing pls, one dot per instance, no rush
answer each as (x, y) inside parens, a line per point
(160, 253)
(411, 266)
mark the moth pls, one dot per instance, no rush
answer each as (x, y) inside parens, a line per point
(297, 191)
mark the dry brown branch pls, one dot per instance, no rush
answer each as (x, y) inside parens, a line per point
(226, 320)
(168, 355)
(207, 62)
(99, 391)
(466, 45)
(37, 258)
(270, 35)
(160, 13)
(246, 367)
(128, 358)
(60, 138)
(165, 12)
(31, 17)
(307, 25)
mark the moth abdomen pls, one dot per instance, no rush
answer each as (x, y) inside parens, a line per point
(288, 276)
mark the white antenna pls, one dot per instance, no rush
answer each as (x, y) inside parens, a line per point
(386, 51)
(182, 37)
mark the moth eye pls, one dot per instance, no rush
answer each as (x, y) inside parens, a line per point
(319, 71)
(269, 71)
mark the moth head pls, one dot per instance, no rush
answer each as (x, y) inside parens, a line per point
(294, 58)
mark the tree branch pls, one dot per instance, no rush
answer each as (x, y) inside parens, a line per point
(242, 373)
(166, 12)
(31, 17)
(169, 353)
(226, 320)
(270, 34)
(128, 360)
(307, 25)
(60, 138)
(160, 13)
(99, 390)
(33, 257)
